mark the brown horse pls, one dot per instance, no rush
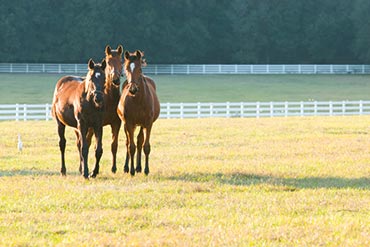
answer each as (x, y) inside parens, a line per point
(79, 104)
(138, 106)
(112, 94)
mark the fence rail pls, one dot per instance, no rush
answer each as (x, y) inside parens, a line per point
(186, 69)
(25, 112)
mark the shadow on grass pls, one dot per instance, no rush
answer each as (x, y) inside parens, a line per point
(242, 179)
(236, 179)
(30, 172)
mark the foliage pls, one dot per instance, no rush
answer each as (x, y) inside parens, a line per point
(226, 182)
(189, 31)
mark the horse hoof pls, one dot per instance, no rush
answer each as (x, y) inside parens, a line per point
(126, 170)
(93, 175)
(63, 172)
(132, 173)
(138, 169)
(114, 169)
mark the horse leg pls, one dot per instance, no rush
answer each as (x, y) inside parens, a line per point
(78, 143)
(90, 133)
(147, 148)
(98, 149)
(126, 168)
(84, 149)
(114, 146)
(62, 146)
(139, 143)
(132, 147)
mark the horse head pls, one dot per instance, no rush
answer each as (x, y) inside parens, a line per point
(94, 82)
(113, 60)
(132, 65)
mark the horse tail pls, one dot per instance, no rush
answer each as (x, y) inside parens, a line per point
(55, 98)
(53, 114)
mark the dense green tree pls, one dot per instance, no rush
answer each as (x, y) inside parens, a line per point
(187, 31)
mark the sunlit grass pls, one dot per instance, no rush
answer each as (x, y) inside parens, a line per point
(213, 182)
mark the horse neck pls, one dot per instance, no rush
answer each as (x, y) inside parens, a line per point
(144, 90)
(111, 90)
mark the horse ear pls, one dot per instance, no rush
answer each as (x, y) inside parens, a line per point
(127, 55)
(120, 49)
(103, 64)
(91, 64)
(108, 50)
(138, 54)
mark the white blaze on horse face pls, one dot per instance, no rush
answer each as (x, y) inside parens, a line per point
(97, 75)
(132, 67)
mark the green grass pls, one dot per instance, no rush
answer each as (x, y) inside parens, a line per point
(38, 88)
(226, 182)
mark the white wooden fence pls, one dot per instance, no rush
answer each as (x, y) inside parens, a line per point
(173, 69)
(25, 112)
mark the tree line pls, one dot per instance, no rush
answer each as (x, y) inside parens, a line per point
(187, 31)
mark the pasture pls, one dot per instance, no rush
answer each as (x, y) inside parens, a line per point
(226, 182)
(38, 88)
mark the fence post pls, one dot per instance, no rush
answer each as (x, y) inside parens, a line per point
(330, 108)
(271, 109)
(241, 109)
(361, 107)
(302, 109)
(211, 109)
(227, 109)
(168, 110)
(257, 109)
(286, 108)
(17, 112)
(343, 108)
(47, 112)
(315, 108)
(24, 112)
(182, 110)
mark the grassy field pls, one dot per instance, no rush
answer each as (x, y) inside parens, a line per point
(225, 182)
(38, 88)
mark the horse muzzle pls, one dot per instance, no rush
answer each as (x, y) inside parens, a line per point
(115, 77)
(98, 99)
(133, 89)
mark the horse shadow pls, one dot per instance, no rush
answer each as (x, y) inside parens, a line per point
(234, 179)
(28, 173)
(288, 184)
